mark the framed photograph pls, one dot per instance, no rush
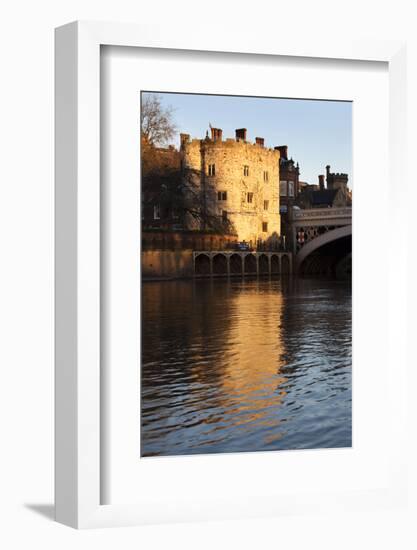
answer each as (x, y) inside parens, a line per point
(227, 305)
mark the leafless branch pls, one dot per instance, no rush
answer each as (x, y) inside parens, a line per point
(156, 121)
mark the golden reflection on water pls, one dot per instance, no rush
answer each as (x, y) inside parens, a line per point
(217, 367)
(251, 365)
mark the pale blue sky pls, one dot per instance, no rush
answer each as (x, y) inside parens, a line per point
(316, 132)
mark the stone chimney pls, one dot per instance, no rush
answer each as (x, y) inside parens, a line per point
(259, 141)
(321, 182)
(283, 151)
(216, 134)
(241, 134)
(329, 180)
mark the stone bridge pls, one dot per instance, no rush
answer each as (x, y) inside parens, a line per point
(322, 241)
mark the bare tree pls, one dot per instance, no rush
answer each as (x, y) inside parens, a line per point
(176, 190)
(164, 181)
(156, 121)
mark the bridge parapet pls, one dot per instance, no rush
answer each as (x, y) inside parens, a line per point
(308, 224)
(321, 214)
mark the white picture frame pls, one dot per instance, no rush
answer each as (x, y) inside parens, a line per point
(78, 291)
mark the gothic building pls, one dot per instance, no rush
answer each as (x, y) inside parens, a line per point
(334, 194)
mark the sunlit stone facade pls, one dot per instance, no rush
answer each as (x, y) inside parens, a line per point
(236, 181)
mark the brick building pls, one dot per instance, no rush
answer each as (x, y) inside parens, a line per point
(289, 185)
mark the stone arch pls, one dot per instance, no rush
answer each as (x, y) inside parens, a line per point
(250, 263)
(332, 259)
(219, 264)
(235, 264)
(275, 264)
(285, 264)
(325, 238)
(202, 264)
(263, 263)
(344, 267)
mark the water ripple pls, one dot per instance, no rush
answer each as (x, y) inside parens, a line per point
(237, 365)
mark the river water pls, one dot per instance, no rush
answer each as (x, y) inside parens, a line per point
(245, 365)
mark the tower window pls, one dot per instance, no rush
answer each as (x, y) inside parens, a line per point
(266, 175)
(157, 212)
(222, 195)
(211, 169)
(224, 215)
(264, 227)
(246, 170)
(266, 205)
(250, 197)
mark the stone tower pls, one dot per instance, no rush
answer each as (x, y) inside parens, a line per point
(337, 181)
(237, 181)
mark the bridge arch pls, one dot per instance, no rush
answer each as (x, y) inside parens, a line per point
(263, 263)
(285, 264)
(250, 263)
(202, 264)
(314, 245)
(235, 264)
(220, 264)
(275, 267)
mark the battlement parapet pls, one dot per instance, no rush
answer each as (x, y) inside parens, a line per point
(216, 140)
(228, 144)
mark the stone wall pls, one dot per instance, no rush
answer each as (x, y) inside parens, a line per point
(186, 240)
(246, 214)
(166, 264)
(172, 264)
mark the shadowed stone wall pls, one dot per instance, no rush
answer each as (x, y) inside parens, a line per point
(167, 264)
(173, 240)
